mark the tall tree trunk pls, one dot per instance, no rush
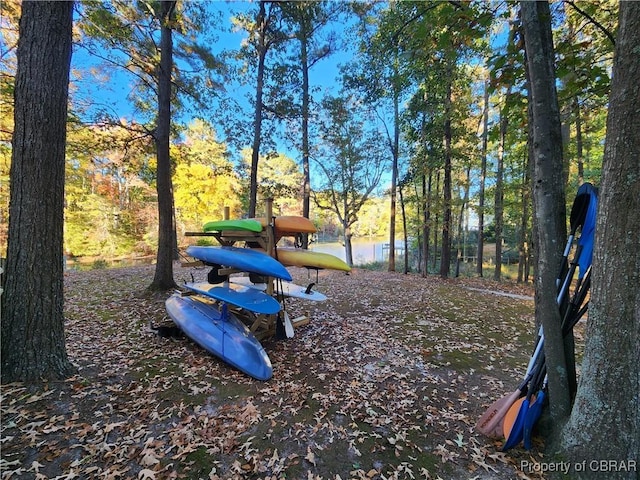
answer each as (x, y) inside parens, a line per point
(579, 142)
(163, 278)
(605, 421)
(463, 226)
(405, 236)
(426, 203)
(499, 194)
(548, 195)
(436, 223)
(303, 18)
(306, 186)
(426, 232)
(483, 176)
(348, 247)
(33, 344)
(257, 119)
(523, 247)
(529, 175)
(445, 258)
(394, 175)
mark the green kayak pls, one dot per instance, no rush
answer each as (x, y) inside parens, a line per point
(244, 224)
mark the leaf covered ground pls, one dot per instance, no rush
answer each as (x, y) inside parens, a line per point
(386, 381)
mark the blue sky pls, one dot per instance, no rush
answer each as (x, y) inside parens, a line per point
(109, 90)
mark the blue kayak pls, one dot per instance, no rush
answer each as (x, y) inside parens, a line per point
(221, 333)
(238, 295)
(243, 259)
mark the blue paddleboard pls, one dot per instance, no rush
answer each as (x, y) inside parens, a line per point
(243, 259)
(220, 333)
(238, 295)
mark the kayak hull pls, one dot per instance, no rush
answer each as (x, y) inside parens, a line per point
(296, 257)
(286, 225)
(244, 259)
(243, 224)
(220, 333)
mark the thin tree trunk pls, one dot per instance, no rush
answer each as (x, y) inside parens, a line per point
(499, 194)
(548, 195)
(523, 247)
(445, 259)
(579, 142)
(483, 176)
(33, 342)
(394, 179)
(436, 224)
(462, 225)
(348, 248)
(306, 186)
(404, 231)
(257, 118)
(426, 240)
(163, 278)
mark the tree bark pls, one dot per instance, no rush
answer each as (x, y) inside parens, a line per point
(263, 46)
(523, 247)
(348, 246)
(426, 229)
(395, 149)
(483, 176)
(605, 421)
(445, 258)
(405, 235)
(33, 343)
(305, 29)
(499, 193)
(548, 196)
(163, 279)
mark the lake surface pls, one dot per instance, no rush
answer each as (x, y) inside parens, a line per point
(365, 250)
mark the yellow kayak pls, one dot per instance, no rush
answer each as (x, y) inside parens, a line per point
(296, 257)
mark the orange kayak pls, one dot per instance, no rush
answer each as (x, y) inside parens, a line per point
(290, 225)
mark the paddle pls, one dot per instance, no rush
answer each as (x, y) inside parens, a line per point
(488, 424)
(533, 414)
(585, 208)
(521, 416)
(535, 411)
(284, 327)
(582, 216)
(574, 313)
(284, 321)
(280, 333)
(515, 418)
(516, 433)
(288, 326)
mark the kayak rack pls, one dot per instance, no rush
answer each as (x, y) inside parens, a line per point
(263, 326)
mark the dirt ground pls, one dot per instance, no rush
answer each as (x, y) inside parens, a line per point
(386, 381)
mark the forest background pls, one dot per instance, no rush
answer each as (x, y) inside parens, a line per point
(427, 111)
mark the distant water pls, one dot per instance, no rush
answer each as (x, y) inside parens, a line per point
(365, 250)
